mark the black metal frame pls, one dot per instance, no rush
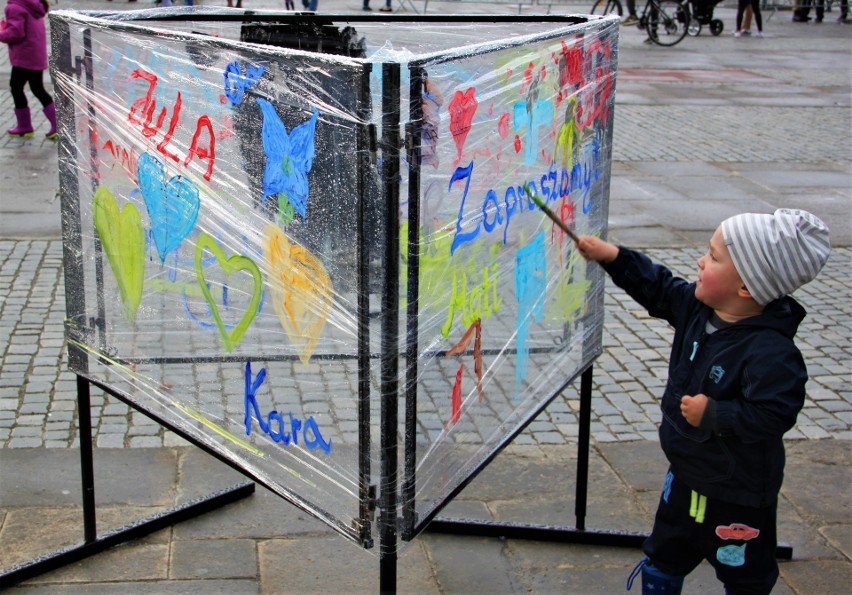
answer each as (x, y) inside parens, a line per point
(93, 542)
(390, 489)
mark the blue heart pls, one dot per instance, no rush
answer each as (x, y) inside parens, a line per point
(172, 205)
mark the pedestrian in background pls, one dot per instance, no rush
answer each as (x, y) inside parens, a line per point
(801, 14)
(758, 18)
(385, 8)
(736, 384)
(24, 32)
(844, 12)
(746, 30)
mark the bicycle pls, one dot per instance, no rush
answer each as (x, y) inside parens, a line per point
(666, 21)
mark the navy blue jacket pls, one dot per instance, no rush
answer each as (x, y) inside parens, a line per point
(752, 371)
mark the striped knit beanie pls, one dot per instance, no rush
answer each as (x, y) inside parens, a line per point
(775, 254)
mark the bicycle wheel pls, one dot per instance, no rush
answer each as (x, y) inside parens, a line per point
(607, 7)
(668, 22)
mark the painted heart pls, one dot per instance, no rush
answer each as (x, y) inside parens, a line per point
(123, 239)
(172, 205)
(301, 290)
(462, 108)
(230, 337)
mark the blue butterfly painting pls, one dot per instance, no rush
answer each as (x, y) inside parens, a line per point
(289, 158)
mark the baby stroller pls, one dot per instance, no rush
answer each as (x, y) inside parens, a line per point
(702, 14)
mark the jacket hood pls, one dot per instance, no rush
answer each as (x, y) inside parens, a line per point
(783, 315)
(34, 7)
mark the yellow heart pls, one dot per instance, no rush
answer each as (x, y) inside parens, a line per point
(123, 238)
(301, 290)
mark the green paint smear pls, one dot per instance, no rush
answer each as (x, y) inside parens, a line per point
(123, 239)
(230, 265)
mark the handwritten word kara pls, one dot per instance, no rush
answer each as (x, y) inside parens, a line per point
(275, 424)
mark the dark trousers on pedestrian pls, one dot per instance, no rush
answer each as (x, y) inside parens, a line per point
(738, 541)
(20, 78)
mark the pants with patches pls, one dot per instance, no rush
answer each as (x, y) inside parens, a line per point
(739, 541)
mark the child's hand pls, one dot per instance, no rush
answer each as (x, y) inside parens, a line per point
(594, 248)
(692, 408)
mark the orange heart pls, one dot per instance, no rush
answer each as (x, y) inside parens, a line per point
(301, 290)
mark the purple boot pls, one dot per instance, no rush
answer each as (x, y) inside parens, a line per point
(25, 125)
(50, 114)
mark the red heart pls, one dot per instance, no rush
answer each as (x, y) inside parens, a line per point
(461, 109)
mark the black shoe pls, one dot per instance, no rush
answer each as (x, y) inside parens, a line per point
(800, 19)
(367, 8)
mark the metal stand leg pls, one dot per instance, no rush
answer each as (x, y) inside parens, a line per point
(87, 469)
(92, 542)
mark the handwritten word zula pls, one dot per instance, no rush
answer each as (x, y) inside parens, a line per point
(142, 113)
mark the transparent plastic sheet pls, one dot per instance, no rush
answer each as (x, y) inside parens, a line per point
(230, 215)
(508, 312)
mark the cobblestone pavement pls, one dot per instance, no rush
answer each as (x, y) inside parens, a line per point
(703, 146)
(37, 394)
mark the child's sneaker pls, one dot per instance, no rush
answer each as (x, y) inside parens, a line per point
(746, 32)
(738, 33)
(759, 34)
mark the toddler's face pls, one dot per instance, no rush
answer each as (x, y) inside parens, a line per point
(718, 281)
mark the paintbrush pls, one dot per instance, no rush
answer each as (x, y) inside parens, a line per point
(551, 214)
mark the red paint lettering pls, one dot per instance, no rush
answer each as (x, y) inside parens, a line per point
(208, 152)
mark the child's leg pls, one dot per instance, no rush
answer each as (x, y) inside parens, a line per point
(35, 78)
(23, 123)
(740, 543)
(17, 81)
(672, 547)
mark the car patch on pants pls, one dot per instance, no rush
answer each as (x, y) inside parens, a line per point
(736, 531)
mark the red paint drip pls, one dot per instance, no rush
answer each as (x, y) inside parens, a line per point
(457, 400)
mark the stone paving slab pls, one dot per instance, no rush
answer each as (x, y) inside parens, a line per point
(623, 486)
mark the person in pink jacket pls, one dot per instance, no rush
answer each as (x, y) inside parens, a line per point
(23, 31)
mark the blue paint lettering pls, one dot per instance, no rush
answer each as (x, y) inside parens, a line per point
(462, 173)
(236, 83)
(551, 186)
(275, 425)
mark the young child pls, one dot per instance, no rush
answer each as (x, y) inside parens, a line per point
(23, 31)
(736, 384)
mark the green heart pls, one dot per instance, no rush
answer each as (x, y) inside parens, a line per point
(229, 265)
(123, 239)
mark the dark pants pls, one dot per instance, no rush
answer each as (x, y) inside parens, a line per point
(20, 78)
(755, 10)
(803, 9)
(738, 541)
